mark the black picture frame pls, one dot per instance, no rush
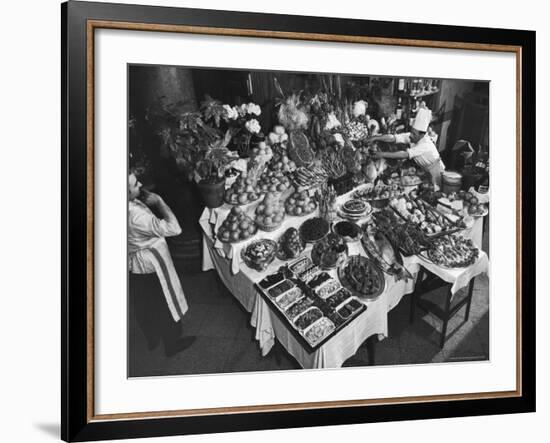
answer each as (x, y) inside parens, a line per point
(78, 422)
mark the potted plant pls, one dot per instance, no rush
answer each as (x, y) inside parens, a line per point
(198, 148)
(211, 170)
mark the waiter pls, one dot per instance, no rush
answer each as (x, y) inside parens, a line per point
(156, 293)
(422, 148)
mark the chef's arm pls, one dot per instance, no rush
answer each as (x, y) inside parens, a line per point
(397, 154)
(388, 138)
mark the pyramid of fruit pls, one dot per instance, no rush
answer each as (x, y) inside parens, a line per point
(273, 181)
(270, 213)
(262, 150)
(236, 227)
(281, 162)
(244, 190)
(300, 203)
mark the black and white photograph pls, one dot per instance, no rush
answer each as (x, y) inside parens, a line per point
(285, 220)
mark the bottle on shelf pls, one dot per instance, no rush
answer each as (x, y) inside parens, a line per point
(399, 109)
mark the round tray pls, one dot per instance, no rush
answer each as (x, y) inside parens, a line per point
(236, 242)
(317, 239)
(424, 256)
(269, 228)
(375, 269)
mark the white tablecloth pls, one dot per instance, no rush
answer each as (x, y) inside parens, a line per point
(240, 279)
(459, 277)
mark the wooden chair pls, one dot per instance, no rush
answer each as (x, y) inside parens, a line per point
(427, 282)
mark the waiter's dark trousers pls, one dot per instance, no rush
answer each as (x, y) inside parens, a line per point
(149, 309)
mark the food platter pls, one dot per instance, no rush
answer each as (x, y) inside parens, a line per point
(329, 252)
(484, 211)
(451, 252)
(259, 254)
(379, 249)
(348, 230)
(290, 245)
(365, 274)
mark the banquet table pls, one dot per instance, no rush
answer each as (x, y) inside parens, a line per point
(240, 279)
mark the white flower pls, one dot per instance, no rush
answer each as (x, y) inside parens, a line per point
(332, 122)
(253, 126)
(253, 108)
(339, 139)
(242, 109)
(359, 108)
(232, 113)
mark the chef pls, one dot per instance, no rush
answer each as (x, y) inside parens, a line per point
(422, 149)
(156, 293)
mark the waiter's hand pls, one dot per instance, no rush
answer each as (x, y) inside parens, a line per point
(150, 198)
(379, 154)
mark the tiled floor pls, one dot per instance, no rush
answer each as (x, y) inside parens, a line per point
(225, 341)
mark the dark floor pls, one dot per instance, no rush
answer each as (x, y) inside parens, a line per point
(225, 341)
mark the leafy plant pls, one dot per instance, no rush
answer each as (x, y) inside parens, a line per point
(213, 110)
(188, 138)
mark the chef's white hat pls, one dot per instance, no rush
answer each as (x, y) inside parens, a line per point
(422, 120)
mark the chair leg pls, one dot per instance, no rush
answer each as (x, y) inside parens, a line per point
(413, 306)
(413, 296)
(371, 349)
(446, 319)
(470, 292)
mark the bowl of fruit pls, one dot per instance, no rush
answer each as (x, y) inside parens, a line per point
(236, 227)
(270, 213)
(299, 204)
(290, 244)
(242, 192)
(273, 181)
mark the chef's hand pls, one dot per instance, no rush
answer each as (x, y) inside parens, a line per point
(371, 139)
(150, 198)
(379, 154)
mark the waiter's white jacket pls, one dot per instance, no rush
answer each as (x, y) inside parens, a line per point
(148, 253)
